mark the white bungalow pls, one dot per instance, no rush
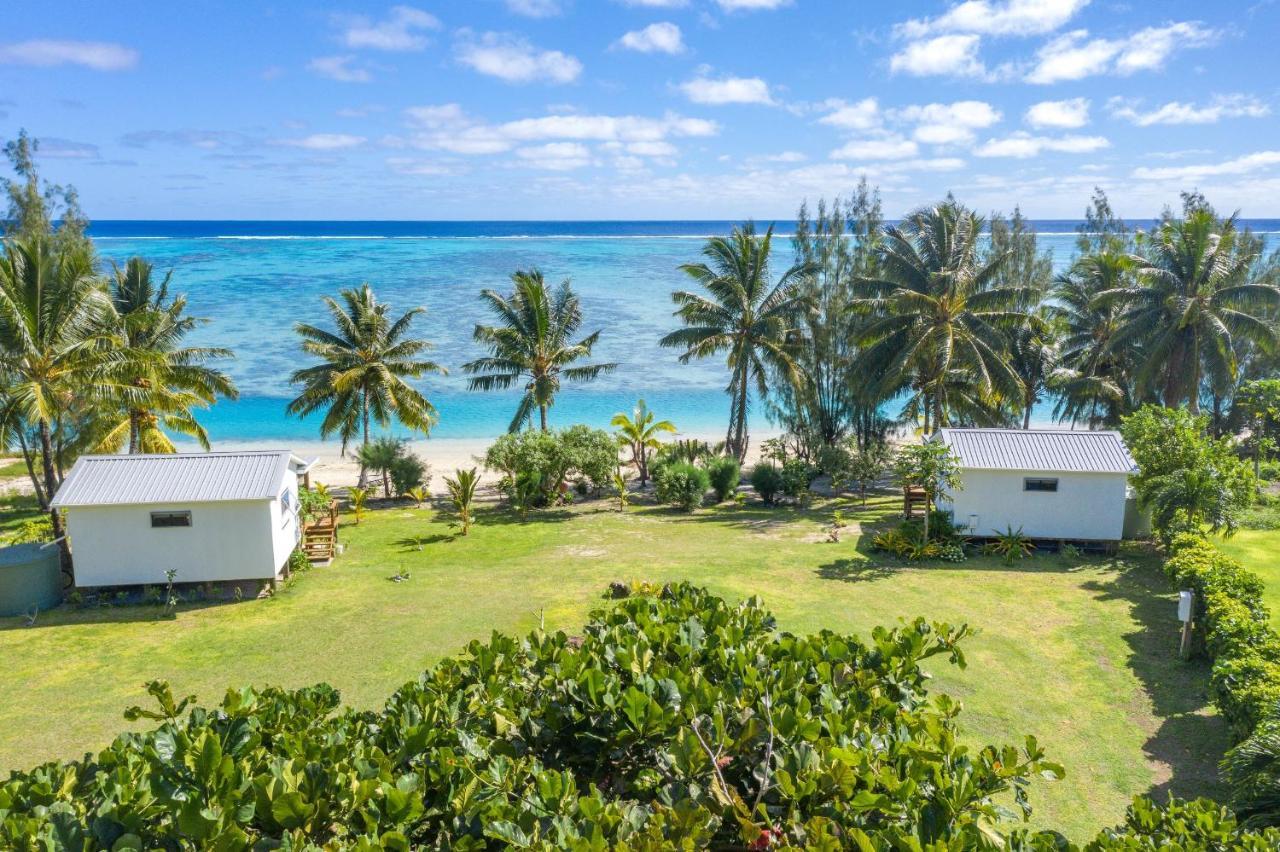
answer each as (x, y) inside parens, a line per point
(212, 517)
(1054, 484)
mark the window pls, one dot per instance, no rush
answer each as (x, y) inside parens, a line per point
(1030, 484)
(286, 499)
(170, 519)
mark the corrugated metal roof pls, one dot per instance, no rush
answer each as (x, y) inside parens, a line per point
(1048, 450)
(177, 478)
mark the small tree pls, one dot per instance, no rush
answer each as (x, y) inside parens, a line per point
(462, 492)
(868, 464)
(622, 494)
(358, 497)
(932, 468)
(639, 433)
(1259, 404)
(381, 455)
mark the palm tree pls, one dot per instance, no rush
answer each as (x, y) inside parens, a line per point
(746, 315)
(381, 455)
(52, 347)
(640, 433)
(462, 493)
(1192, 300)
(363, 369)
(1033, 355)
(1093, 377)
(935, 318)
(533, 343)
(173, 382)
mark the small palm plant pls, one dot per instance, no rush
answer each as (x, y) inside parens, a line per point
(1011, 544)
(417, 495)
(462, 492)
(620, 486)
(358, 497)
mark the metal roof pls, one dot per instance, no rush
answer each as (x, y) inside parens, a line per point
(1047, 450)
(175, 478)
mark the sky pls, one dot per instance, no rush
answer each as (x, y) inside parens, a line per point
(643, 109)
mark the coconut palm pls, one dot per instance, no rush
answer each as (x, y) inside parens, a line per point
(746, 315)
(362, 372)
(533, 342)
(177, 379)
(936, 321)
(639, 432)
(1093, 377)
(462, 493)
(52, 345)
(1033, 355)
(1193, 299)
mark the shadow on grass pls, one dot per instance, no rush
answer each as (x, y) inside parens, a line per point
(1190, 739)
(857, 571)
(68, 616)
(417, 542)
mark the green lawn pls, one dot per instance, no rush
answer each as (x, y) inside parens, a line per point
(1259, 551)
(1079, 652)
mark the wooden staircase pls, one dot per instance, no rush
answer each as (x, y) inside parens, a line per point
(913, 502)
(320, 537)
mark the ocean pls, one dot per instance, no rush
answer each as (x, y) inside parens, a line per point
(254, 280)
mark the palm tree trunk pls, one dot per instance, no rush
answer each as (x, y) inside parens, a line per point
(363, 482)
(742, 424)
(1026, 414)
(1194, 402)
(50, 486)
(41, 498)
(642, 463)
(542, 416)
(937, 411)
(134, 432)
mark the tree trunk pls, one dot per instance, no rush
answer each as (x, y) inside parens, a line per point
(50, 486)
(1026, 414)
(363, 482)
(937, 411)
(542, 416)
(1194, 402)
(386, 484)
(27, 457)
(134, 432)
(642, 464)
(742, 424)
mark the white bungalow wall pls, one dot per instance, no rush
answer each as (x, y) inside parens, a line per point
(1086, 506)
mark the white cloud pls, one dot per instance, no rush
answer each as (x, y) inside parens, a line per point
(339, 68)
(662, 37)
(446, 127)
(1239, 166)
(1008, 18)
(1022, 145)
(863, 115)
(950, 55)
(785, 157)
(652, 149)
(402, 30)
(751, 5)
(98, 55)
(535, 8)
(658, 4)
(323, 141)
(1177, 112)
(948, 124)
(515, 60)
(65, 149)
(1074, 56)
(727, 90)
(555, 156)
(427, 168)
(1067, 114)
(889, 148)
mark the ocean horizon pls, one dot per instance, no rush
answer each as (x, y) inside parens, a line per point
(253, 279)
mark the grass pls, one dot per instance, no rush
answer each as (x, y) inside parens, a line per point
(1079, 652)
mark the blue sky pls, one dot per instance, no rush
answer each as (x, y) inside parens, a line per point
(632, 109)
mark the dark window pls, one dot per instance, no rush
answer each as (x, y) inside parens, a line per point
(170, 519)
(1039, 484)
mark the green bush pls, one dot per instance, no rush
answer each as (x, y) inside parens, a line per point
(674, 721)
(682, 484)
(1178, 825)
(797, 476)
(766, 479)
(536, 465)
(33, 531)
(407, 472)
(724, 473)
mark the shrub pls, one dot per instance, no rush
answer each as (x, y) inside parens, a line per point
(551, 459)
(797, 476)
(560, 743)
(766, 479)
(1011, 545)
(683, 485)
(408, 472)
(33, 531)
(724, 473)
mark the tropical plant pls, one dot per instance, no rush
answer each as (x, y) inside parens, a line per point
(639, 432)
(766, 480)
(1011, 545)
(931, 467)
(682, 485)
(723, 472)
(533, 342)
(1093, 379)
(53, 348)
(621, 493)
(745, 315)
(359, 498)
(797, 476)
(1258, 406)
(462, 493)
(175, 379)
(1193, 299)
(550, 459)
(418, 495)
(408, 471)
(868, 465)
(364, 364)
(381, 455)
(937, 319)
(1186, 477)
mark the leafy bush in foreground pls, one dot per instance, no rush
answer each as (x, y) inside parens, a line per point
(675, 720)
(682, 485)
(766, 479)
(724, 473)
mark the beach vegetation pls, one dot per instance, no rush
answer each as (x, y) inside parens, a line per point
(379, 456)
(537, 466)
(408, 471)
(462, 494)
(930, 467)
(724, 473)
(358, 499)
(640, 433)
(766, 481)
(533, 342)
(682, 485)
(364, 368)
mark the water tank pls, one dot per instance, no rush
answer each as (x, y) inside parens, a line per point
(30, 577)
